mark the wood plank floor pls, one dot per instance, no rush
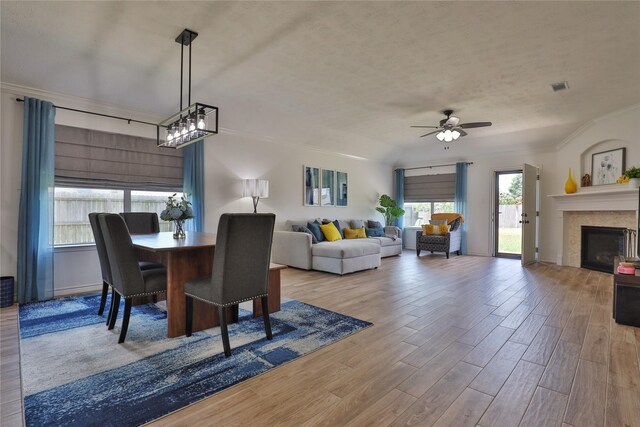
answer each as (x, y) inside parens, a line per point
(461, 342)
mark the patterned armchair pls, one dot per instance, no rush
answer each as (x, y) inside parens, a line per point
(448, 243)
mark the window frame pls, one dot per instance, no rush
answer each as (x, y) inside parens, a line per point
(127, 202)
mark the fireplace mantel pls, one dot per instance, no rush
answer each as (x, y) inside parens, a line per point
(612, 198)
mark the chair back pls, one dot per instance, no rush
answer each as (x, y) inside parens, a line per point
(141, 222)
(100, 246)
(242, 256)
(125, 271)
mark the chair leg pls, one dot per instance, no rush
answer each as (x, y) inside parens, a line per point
(447, 254)
(103, 297)
(114, 311)
(265, 316)
(113, 297)
(189, 323)
(417, 252)
(222, 313)
(235, 313)
(154, 298)
(458, 252)
(125, 319)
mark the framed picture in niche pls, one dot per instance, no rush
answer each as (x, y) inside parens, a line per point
(311, 180)
(342, 189)
(327, 195)
(607, 166)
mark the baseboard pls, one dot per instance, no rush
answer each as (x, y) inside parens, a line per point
(63, 292)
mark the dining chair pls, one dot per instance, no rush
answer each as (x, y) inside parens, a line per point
(141, 222)
(240, 269)
(104, 261)
(128, 279)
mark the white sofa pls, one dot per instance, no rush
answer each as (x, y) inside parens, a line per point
(296, 249)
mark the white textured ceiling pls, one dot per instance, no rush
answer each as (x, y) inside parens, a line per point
(350, 77)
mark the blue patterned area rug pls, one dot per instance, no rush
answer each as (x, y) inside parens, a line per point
(74, 372)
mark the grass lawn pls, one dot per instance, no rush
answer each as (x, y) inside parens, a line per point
(510, 240)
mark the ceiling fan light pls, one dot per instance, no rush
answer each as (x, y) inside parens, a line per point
(448, 138)
(440, 136)
(455, 134)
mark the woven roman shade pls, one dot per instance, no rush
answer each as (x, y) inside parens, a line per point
(95, 159)
(430, 188)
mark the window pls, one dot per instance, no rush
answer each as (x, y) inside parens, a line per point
(73, 205)
(417, 214)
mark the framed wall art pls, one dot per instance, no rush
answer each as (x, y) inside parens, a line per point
(607, 166)
(342, 189)
(327, 195)
(311, 179)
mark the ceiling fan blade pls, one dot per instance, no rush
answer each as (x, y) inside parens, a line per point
(430, 133)
(462, 133)
(429, 127)
(474, 125)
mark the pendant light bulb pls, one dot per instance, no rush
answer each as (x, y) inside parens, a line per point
(455, 134)
(440, 136)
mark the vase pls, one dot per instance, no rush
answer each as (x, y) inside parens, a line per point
(634, 182)
(570, 186)
(178, 229)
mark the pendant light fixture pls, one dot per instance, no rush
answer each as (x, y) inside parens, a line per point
(193, 123)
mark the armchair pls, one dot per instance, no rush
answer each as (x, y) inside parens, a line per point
(448, 243)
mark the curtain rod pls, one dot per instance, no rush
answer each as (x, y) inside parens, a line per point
(434, 166)
(101, 115)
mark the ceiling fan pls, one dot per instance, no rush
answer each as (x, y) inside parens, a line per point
(450, 128)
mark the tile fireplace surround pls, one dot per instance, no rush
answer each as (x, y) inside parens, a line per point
(606, 206)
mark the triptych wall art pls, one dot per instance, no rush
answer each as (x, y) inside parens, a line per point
(325, 187)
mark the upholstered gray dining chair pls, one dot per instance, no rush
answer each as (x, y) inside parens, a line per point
(104, 261)
(128, 280)
(141, 222)
(240, 269)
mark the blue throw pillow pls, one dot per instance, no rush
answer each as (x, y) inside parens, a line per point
(303, 229)
(337, 224)
(374, 232)
(314, 227)
(374, 224)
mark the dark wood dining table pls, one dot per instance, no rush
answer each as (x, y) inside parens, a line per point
(188, 259)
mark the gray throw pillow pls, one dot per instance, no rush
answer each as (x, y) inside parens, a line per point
(357, 223)
(303, 229)
(374, 224)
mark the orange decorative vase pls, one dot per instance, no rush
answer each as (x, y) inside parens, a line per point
(570, 186)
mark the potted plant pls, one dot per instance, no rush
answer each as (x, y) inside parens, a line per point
(177, 211)
(389, 209)
(633, 173)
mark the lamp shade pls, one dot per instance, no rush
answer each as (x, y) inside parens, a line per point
(255, 188)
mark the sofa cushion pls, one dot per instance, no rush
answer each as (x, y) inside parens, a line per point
(387, 241)
(314, 227)
(330, 232)
(358, 223)
(345, 249)
(354, 233)
(374, 232)
(303, 229)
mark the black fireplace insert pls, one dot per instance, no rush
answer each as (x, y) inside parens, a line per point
(600, 245)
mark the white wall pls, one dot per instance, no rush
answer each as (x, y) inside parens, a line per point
(228, 159)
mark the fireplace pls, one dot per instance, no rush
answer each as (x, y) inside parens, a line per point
(600, 245)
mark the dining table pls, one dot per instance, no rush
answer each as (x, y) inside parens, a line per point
(187, 259)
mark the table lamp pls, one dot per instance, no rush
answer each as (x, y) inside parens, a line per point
(255, 188)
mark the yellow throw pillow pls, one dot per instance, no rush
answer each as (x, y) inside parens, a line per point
(330, 232)
(354, 233)
(435, 230)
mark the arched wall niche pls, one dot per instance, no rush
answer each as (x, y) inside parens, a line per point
(598, 147)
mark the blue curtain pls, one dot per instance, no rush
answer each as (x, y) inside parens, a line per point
(35, 224)
(400, 194)
(193, 183)
(461, 200)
